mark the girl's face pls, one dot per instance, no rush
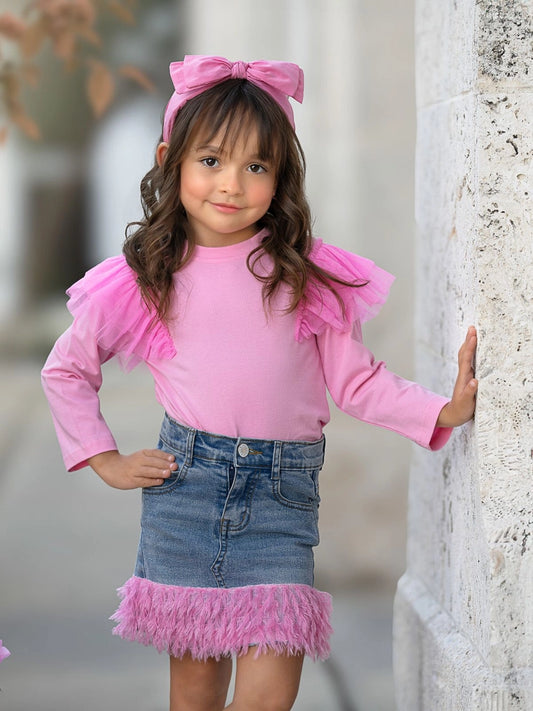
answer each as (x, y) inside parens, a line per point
(225, 190)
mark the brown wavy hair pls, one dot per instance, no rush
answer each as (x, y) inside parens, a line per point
(159, 246)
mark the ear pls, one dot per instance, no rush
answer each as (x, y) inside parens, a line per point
(161, 152)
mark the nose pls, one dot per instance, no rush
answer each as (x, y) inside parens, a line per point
(230, 182)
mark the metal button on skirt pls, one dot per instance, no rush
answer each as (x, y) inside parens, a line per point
(225, 557)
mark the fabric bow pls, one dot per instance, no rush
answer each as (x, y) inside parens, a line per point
(196, 73)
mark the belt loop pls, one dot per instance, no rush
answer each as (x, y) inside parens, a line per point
(191, 436)
(235, 453)
(276, 461)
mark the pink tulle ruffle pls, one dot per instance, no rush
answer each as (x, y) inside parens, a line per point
(4, 652)
(215, 622)
(110, 300)
(320, 308)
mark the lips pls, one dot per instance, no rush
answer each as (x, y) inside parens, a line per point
(225, 207)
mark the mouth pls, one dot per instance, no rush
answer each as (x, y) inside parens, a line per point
(225, 207)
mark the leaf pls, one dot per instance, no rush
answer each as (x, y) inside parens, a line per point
(32, 39)
(100, 87)
(131, 72)
(11, 26)
(123, 13)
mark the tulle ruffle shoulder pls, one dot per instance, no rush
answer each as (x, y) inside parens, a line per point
(109, 301)
(320, 309)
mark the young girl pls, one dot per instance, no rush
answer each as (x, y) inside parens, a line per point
(245, 321)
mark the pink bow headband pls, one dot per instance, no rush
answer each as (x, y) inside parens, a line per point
(197, 73)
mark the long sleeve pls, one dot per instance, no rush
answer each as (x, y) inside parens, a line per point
(71, 380)
(360, 385)
(110, 319)
(364, 388)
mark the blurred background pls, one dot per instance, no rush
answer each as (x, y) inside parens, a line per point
(67, 541)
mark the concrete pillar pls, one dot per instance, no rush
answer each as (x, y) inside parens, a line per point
(463, 610)
(11, 209)
(115, 172)
(11, 247)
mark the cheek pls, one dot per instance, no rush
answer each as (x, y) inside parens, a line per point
(263, 194)
(192, 181)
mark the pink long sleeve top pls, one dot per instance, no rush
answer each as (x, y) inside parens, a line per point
(224, 363)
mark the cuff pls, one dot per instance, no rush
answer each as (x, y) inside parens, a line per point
(78, 458)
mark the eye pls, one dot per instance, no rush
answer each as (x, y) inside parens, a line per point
(210, 162)
(256, 168)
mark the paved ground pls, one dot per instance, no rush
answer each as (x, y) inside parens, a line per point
(67, 541)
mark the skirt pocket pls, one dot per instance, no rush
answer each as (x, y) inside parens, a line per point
(176, 477)
(297, 488)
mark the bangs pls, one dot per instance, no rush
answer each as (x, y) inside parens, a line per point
(234, 110)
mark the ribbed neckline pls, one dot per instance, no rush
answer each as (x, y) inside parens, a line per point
(231, 251)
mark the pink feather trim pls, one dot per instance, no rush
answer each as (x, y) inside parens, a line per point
(215, 622)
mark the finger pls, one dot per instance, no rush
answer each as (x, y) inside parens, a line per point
(151, 472)
(145, 483)
(468, 348)
(158, 454)
(159, 462)
(466, 357)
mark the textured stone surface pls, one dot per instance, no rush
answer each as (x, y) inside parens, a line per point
(463, 610)
(452, 673)
(445, 33)
(504, 41)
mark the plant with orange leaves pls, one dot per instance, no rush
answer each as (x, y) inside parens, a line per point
(70, 27)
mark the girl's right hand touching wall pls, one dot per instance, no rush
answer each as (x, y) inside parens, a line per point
(148, 467)
(463, 403)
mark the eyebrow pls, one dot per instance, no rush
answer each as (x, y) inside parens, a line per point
(218, 151)
(213, 149)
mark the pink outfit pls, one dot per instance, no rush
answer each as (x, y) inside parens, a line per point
(227, 365)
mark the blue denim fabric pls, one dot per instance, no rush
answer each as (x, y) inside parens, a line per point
(236, 512)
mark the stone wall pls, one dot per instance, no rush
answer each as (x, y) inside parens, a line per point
(463, 621)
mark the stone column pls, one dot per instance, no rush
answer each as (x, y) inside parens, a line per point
(11, 211)
(10, 226)
(464, 608)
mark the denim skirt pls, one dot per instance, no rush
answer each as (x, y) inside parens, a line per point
(225, 557)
